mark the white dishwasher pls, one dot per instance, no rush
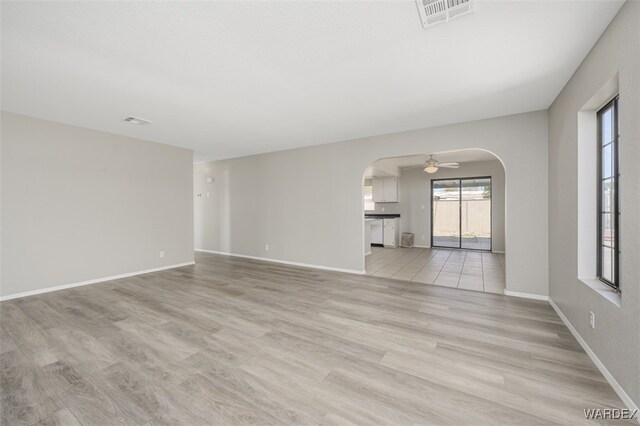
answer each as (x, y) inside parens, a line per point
(377, 231)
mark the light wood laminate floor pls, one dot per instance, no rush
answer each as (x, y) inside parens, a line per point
(465, 269)
(237, 341)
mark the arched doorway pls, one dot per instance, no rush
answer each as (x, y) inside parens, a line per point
(455, 216)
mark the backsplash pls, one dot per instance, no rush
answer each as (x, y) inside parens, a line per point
(388, 208)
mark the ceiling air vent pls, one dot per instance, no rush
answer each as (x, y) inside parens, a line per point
(435, 11)
(136, 120)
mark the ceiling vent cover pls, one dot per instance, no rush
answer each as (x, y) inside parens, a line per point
(136, 120)
(435, 11)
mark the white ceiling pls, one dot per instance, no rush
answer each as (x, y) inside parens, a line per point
(392, 166)
(234, 78)
(463, 156)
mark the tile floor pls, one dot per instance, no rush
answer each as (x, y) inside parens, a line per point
(473, 243)
(466, 269)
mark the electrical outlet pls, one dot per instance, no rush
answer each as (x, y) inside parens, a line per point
(383, 209)
(592, 320)
(162, 254)
(266, 247)
(422, 237)
(421, 206)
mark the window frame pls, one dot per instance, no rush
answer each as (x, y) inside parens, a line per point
(460, 179)
(615, 202)
(370, 202)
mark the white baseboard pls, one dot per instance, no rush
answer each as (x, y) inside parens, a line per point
(94, 281)
(417, 246)
(285, 262)
(367, 254)
(525, 295)
(497, 251)
(626, 399)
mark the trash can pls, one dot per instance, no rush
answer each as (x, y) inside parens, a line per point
(407, 239)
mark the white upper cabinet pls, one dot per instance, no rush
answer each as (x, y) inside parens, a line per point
(390, 186)
(385, 190)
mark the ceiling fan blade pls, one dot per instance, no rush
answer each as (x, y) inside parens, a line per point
(449, 165)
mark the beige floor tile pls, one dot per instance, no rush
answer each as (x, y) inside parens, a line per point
(470, 270)
(402, 277)
(492, 268)
(452, 268)
(476, 286)
(446, 284)
(410, 269)
(496, 290)
(425, 279)
(492, 274)
(445, 278)
(430, 268)
(470, 279)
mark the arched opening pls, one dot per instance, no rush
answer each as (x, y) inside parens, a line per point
(444, 224)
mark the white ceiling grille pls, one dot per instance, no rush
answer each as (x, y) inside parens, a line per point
(435, 11)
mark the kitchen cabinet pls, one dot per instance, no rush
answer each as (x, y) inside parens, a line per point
(385, 190)
(391, 232)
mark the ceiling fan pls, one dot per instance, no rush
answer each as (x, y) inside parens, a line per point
(432, 165)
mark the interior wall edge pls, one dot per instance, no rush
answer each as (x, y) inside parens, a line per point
(285, 262)
(92, 281)
(626, 399)
(525, 295)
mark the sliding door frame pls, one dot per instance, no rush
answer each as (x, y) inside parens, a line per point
(460, 179)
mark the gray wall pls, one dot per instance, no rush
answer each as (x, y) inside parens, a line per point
(415, 188)
(616, 338)
(307, 203)
(80, 204)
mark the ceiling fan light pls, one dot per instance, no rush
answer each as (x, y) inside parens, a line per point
(431, 168)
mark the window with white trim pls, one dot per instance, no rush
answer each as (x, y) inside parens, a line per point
(608, 195)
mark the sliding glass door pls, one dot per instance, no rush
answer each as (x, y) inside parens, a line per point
(461, 213)
(445, 213)
(475, 220)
